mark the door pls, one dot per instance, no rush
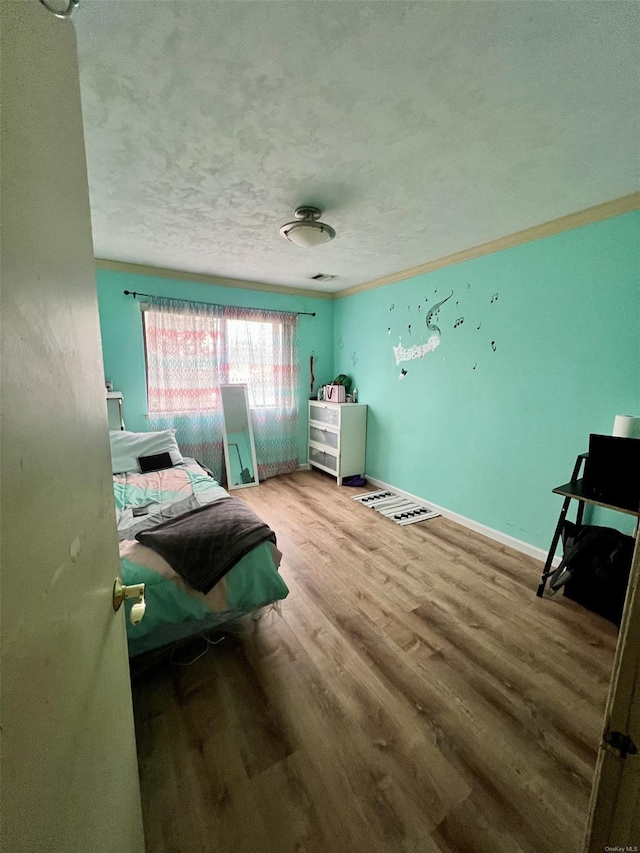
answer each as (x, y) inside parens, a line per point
(69, 773)
(614, 818)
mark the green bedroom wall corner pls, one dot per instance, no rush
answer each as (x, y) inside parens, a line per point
(537, 346)
(123, 345)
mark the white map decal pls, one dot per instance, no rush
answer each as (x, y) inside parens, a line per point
(420, 350)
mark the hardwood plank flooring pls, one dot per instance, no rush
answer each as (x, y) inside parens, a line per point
(414, 695)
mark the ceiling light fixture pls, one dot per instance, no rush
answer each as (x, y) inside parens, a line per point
(307, 231)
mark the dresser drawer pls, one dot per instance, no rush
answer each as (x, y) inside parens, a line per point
(325, 460)
(324, 414)
(325, 437)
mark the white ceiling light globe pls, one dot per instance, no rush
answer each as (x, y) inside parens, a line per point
(307, 232)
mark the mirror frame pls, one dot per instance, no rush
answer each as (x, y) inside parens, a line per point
(225, 440)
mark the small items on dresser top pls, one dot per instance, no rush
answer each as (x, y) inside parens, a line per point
(338, 391)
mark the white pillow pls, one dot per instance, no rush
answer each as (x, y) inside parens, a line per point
(127, 446)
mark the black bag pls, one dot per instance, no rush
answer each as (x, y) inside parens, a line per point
(594, 571)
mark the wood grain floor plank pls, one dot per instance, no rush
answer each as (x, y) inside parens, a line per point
(464, 726)
(414, 696)
(295, 826)
(156, 767)
(297, 688)
(352, 728)
(261, 733)
(371, 709)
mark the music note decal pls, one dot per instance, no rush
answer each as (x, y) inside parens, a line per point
(392, 307)
(494, 298)
(409, 328)
(458, 322)
(493, 345)
(402, 374)
(419, 350)
(475, 365)
(478, 326)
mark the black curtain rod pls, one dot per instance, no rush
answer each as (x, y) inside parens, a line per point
(135, 293)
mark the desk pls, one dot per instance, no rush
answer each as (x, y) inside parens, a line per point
(574, 491)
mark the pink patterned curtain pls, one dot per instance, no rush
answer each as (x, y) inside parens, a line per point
(185, 351)
(193, 348)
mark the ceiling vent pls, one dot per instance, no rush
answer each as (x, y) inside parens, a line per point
(306, 231)
(323, 276)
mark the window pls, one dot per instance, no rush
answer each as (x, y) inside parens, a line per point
(191, 351)
(193, 348)
(251, 346)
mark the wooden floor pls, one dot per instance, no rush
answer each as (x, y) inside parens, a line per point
(415, 695)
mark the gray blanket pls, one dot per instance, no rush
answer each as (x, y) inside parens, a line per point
(203, 545)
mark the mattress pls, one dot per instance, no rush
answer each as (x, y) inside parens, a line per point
(174, 609)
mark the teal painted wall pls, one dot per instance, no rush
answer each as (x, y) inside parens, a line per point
(488, 443)
(491, 443)
(122, 342)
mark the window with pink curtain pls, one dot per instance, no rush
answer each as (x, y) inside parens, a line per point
(193, 348)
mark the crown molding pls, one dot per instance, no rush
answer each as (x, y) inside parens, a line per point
(616, 207)
(200, 278)
(598, 212)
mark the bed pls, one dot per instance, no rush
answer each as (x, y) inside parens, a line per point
(167, 498)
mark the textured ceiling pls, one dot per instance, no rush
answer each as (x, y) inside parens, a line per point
(420, 129)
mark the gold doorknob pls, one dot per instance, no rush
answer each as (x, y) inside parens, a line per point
(122, 592)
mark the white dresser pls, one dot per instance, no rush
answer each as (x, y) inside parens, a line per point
(337, 437)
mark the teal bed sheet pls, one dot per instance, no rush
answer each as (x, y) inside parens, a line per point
(175, 610)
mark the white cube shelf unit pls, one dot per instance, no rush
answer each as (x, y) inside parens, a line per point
(337, 437)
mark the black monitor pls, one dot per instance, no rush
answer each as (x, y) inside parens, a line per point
(612, 471)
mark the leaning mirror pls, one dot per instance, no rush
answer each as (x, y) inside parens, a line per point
(239, 449)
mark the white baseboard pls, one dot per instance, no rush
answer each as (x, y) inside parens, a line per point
(303, 466)
(489, 532)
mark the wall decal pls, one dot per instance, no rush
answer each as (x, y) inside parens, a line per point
(420, 350)
(401, 375)
(411, 351)
(354, 358)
